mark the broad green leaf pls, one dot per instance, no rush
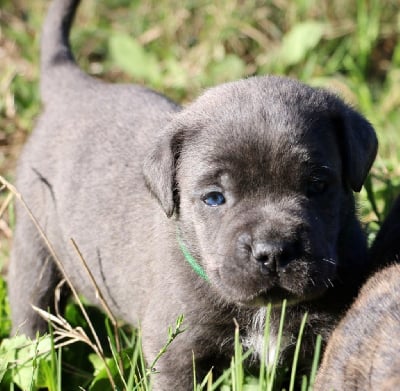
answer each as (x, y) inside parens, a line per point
(302, 38)
(133, 59)
(27, 354)
(97, 363)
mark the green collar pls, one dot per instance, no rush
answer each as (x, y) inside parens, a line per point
(189, 258)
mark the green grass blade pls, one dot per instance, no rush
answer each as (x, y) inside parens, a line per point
(304, 383)
(314, 368)
(238, 363)
(59, 370)
(271, 377)
(263, 364)
(296, 352)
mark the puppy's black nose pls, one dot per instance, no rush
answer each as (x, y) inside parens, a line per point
(274, 256)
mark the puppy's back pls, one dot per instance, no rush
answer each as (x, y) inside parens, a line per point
(363, 352)
(81, 113)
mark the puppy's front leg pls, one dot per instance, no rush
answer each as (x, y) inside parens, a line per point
(174, 370)
(33, 277)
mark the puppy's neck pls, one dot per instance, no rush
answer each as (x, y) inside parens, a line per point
(198, 269)
(255, 340)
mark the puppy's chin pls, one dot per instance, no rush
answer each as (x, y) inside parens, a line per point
(261, 292)
(277, 295)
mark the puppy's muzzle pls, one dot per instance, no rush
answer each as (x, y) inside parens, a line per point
(274, 256)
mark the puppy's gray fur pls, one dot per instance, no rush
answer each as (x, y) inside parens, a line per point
(284, 156)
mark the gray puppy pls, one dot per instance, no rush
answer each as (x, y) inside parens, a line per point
(211, 211)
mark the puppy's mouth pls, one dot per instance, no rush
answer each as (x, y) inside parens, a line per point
(250, 282)
(276, 295)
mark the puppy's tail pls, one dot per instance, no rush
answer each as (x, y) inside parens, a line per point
(59, 72)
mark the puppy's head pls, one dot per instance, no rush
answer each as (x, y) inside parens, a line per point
(259, 173)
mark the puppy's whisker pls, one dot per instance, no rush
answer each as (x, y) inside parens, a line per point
(329, 260)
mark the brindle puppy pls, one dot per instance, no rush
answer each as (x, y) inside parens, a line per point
(363, 352)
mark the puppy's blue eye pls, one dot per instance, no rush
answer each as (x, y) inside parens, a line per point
(214, 198)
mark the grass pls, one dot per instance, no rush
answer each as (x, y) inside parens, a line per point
(180, 48)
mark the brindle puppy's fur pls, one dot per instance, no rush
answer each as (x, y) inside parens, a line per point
(256, 177)
(363, 352)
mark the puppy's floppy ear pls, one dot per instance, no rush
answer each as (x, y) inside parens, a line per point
(359, 146)
(159, 169)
